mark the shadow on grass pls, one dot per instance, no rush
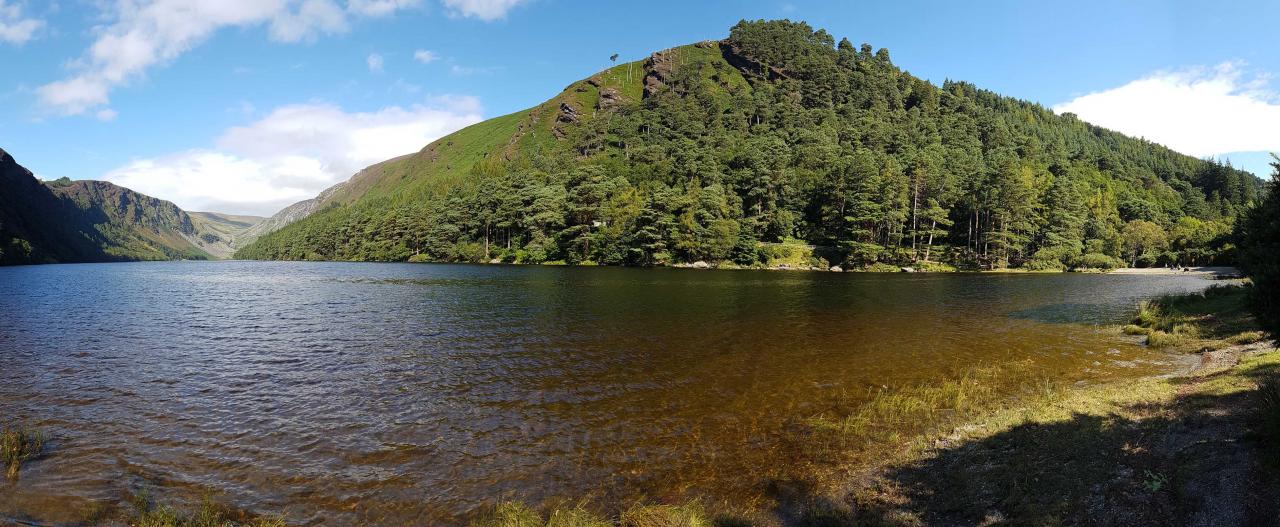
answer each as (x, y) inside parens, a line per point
(1196, 460)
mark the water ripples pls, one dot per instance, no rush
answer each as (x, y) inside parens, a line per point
(410, 394)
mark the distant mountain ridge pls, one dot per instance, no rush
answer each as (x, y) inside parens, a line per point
(97, 221)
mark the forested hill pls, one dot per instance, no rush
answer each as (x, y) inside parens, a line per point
(86, 221)
(775, 138)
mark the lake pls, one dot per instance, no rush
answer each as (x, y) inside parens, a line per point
(411, 394)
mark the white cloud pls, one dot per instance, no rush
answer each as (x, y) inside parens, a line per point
(141, 34)
(486, 10)
(425, 56)
(292, 154)
(106, 115)
(465, 71)
(1196, 111)
(375, 62)
(15, 28)
(379, 7)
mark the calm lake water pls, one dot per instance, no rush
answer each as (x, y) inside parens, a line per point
(411, 394)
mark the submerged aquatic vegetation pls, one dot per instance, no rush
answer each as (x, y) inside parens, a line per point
(18, 445)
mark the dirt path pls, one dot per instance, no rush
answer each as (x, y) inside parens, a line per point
(1222, 478)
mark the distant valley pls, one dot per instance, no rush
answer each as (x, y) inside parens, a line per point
(66, 221)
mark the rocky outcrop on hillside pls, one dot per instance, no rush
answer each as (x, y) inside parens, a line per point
(287, 215)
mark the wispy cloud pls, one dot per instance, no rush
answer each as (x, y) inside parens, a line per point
(106, 115)
(487, 10)
(425, 56)
(142, 34)
(1199, 111)
(15, 28)
(375, 62)
(465, 71)
(292, 154)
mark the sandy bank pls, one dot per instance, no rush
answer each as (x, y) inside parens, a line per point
(1192, 271)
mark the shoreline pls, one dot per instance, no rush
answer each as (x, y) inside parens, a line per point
(1209, 271)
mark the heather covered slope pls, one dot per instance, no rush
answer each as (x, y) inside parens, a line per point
(717, 151)
(86, 221)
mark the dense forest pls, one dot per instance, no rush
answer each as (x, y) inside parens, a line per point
(86, 221)
(777, 138)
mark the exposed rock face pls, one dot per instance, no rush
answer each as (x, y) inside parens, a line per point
(565, 115)
(126, 206)
(609, 99)
(287, 215)
(658, 68)
(737, 59)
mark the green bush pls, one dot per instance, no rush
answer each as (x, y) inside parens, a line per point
(470, 252)
(1100, 261)
(881, 267)
(1043, 264)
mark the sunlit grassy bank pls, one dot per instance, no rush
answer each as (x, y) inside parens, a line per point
(511, 514)
(145, 513)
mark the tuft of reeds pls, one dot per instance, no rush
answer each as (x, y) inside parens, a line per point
(18, 445)
(209, 514)
(1212, 319)
(515, 514)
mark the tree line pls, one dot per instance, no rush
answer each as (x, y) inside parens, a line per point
(779, 133)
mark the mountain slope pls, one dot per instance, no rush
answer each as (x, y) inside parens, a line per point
(86, 221)
(221, 234)
(715, 151)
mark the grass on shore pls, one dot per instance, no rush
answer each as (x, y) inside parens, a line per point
(208, 514)
(513, 514)
(18, 445)
(1211, 320)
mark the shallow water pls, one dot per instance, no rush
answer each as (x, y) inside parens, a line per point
(410, 394)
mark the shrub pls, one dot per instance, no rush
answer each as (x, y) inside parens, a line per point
(1038, 264)
(881, 267)
(470, 252)
(1100, 261)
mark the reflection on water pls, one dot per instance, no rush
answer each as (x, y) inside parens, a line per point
(398, 393)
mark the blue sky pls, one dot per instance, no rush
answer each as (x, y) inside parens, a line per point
(247, 105)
